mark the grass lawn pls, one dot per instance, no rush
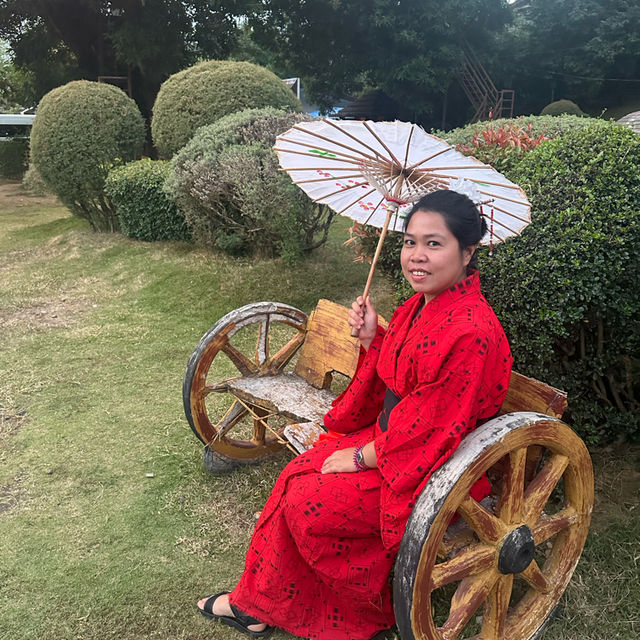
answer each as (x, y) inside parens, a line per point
(109, 527)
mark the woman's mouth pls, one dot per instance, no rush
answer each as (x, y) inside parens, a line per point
(418, 273)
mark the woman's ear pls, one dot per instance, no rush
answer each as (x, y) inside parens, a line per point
(467, 254)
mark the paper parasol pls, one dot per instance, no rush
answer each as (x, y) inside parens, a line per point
(373, 172)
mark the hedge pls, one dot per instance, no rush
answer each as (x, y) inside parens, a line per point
(562, 107)
(13, 157)
(144, 209)
(80, 132)
(206, 92)
(566, 289)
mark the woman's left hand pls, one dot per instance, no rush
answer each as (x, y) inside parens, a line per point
(340, 461)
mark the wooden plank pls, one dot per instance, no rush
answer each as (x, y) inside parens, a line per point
(286, 394)
(328, 345)
(303, 435)
(529, 394)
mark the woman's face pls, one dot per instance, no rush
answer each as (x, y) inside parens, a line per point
(431, 258)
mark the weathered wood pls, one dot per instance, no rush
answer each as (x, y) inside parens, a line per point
(470, 561)
(285, 393)
(200, 380)
(494, 615)
(541, 486)
(417, 575)
(469, 595)
(303, 435)
(513, 487)
(328, 346)
(529, 394)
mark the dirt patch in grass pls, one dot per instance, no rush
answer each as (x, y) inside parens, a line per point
(58, 312)
(12, 195)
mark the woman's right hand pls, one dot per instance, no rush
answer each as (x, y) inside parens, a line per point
(364, 318)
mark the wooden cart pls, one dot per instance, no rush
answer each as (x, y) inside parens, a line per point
(495, 573)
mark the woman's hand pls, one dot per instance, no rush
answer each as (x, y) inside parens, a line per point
(364, 318)
(340, 461)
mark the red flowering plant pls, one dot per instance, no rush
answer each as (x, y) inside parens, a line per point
(502, 147)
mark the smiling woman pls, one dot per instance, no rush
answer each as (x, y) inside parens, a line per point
(319, 559)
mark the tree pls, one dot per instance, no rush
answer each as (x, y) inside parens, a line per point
(88, 38)
(412, 49)
(584, 50)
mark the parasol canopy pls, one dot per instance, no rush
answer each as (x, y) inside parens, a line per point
(374, 171)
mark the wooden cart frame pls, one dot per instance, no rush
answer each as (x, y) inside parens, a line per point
(490, 571)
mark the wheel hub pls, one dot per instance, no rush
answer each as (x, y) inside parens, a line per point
(517, 551)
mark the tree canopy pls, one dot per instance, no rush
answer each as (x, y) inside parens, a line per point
(585, 50)
(59, 40)
(412, 49)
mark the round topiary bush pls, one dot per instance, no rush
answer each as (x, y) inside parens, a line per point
(226, 180)
(562, 107)
(144, 209)
(80, 132)
(208, 91)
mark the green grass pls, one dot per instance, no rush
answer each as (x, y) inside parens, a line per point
(96, 332)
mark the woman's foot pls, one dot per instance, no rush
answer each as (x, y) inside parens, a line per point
(218, 606)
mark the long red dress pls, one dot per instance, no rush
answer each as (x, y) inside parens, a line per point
(320, 556)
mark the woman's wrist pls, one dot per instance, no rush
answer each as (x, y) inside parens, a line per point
(358, 459)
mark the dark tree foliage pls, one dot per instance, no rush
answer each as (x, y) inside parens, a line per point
(584, 50)
(59, 40)
(412, 49)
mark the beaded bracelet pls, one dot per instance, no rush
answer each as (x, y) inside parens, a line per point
(359, 466)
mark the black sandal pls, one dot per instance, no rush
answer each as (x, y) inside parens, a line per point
(240, 621)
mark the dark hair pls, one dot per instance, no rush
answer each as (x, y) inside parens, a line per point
(459, 212)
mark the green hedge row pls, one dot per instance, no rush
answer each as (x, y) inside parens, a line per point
(144, 208)
(13, 157)
(566, 289)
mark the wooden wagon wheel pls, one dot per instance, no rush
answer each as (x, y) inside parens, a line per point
(269, 335)
(504, 582)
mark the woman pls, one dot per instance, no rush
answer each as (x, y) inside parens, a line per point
(319, 560)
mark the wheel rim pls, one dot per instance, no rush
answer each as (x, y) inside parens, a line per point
(266, 358)
(487, 575)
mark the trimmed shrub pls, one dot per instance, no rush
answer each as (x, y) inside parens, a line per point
(33, 183)
(547, 126)
(81, 131)
(566, 289)
(208, 91)
(226, 180)
(562, 107)
(13, 157)
(144, 209)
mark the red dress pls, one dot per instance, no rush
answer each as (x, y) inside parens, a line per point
(319, 560)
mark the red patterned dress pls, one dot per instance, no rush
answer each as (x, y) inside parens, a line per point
(319, 559)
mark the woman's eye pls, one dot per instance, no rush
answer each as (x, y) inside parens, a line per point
(408, 242)
(433, 243)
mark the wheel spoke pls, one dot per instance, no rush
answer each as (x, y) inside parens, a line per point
(487, 527)
(496, 607)
(203, 392)
(469, 595)
(535, 577)
(282, 357)
(470, 561)
(243, 364)
(259, 426)
(262, 345)
(234, 414)
(548, 526)
(513, 487)
(541, 486)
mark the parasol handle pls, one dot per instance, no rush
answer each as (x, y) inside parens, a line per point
(392, 209)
